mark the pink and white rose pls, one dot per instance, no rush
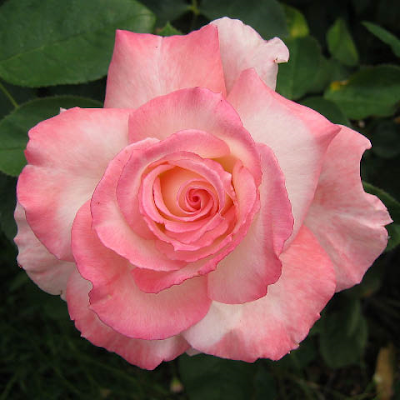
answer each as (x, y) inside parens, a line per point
(199, 210)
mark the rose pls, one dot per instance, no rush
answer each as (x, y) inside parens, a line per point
(200, 210)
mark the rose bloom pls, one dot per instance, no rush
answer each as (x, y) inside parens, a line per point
(199, 210)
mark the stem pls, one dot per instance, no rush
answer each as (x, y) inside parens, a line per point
(195, 7)
(8, 95)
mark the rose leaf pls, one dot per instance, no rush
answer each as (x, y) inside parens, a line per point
(46, 43)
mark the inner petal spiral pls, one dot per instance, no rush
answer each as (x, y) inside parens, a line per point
(185, 200)
(198, 198)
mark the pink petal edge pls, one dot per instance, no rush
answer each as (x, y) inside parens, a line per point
(49, 273)
(146, 354)
(275, 324)
(348, 222)
(298, 136)
(243, 48)
(145, 66)
(117, 300)
(67, 155)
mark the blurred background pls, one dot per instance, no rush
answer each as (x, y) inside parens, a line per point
(344, 63)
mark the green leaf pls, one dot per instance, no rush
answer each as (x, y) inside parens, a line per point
(264, 384)
(266, 17)
(300, 358)
(296, 22)
(166, 10)
(370, 284)
(343, 335)
(327, 108)
(394, 236)
(384, 35)
(54, 42)
(92, 90)
(385, 137)
(330, 70)
(341, 44)
(297, 77)
(370, 91)
(168, 30)
(323, 76)
(7, 206)
(14, 128)
(212, 378)
(10, 94)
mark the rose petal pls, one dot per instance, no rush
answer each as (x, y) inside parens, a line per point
(298, 136)
(143, 353)
(189, 167)
(193, 219)
(172, 149)
(275, 324)
(196, 109)
(189, 255)
(49, 273)
(119, 303)
(121, 234)
(110, 224)
(242, 48)
(210, 170)
(348, 222)
(145, 66)
(67, 156)
(206, 260)
(245, 273)
(151, 281)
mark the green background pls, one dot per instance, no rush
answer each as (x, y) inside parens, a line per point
(344, 63)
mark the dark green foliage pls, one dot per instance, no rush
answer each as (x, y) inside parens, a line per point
(341, 65)
(266, 16)
(385, 36)
(297, 77)
(343, 335)
(7, 205)
(52, 42)
(166, 10)
(212, 378)
(341, 44)
(371, 91)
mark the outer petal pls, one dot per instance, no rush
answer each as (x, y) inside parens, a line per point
(67, 156)
(348, 222)
(242, 48)
(143, 353)
(273, 325)
(297, 135)
(50, 274)
(117, 300)
(154, 281)
(145, 66)
(196, 109)
(245, 273)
